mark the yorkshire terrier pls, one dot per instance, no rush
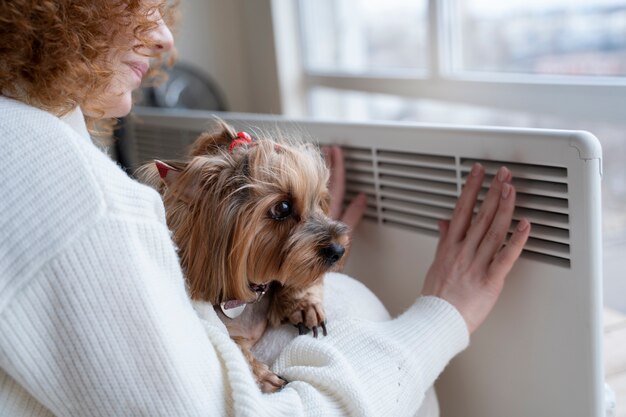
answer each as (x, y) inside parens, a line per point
(250, 221)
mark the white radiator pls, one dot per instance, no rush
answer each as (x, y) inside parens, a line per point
(540, 352)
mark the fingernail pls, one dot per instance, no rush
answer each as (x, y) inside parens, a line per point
(523, 224)
(502, 174)
(506, 190)
(476, 169)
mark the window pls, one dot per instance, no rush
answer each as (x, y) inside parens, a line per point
(533, 63)
(364, 36)
(562, 37)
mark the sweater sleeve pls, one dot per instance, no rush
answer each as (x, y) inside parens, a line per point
(106, 329)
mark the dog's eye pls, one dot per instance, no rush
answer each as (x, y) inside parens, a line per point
(281, 211)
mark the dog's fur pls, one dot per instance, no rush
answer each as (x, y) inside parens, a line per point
(226, 210)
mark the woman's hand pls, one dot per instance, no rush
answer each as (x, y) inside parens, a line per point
(471, 262)
(337, 188)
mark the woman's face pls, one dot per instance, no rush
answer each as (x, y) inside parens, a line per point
(130, 67)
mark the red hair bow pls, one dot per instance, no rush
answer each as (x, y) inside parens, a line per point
(242, 139)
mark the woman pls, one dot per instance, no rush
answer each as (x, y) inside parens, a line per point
(94, 318)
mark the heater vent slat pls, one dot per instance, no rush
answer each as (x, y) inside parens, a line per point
(534, 187)
(355, 188)
(408, 171)
(357, 154)
(547, 233)
(413, 220)
(418, 160)
(525, 171)
(414, 208)
(547, 247)
(530, 201)
(556, 205)
(360, 177)
(543, 217)
(360, 166)
(540, 188)
(412, 184)
(438, 200)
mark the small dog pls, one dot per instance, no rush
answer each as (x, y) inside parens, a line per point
(250, 220)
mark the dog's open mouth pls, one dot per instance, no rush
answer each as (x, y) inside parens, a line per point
(259, 289)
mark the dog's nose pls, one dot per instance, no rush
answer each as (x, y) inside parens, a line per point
(333, 253)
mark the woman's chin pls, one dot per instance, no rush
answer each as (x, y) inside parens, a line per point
(123, 107)
(118, 106)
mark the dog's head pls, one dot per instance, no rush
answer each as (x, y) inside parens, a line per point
(249, 212)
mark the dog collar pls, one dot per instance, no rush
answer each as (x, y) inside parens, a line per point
(233, 308)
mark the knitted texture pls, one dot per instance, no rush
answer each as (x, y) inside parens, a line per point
(95, 319)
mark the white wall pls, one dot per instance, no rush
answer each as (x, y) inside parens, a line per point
(232, 41)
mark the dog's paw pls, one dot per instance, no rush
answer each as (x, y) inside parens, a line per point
(302, 308)
(267, 380)
(308, 315)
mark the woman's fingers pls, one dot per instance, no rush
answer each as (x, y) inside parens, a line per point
(462, 216)
(504, 260)
(326, 154)
(444, 226)
(495, 235)
(487, 211)
(337, 185)
(354, 212)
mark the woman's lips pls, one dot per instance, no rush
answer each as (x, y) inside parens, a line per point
(139, 69)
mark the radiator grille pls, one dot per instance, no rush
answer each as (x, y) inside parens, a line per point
(413, 191)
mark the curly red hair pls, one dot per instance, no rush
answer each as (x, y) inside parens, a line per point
(53, 52)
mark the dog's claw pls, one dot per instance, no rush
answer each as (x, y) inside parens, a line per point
(302, 329)
(286, 382)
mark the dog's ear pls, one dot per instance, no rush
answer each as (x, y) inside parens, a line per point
(210, 143)
(150, 174)
(168, 173)
(160, 175)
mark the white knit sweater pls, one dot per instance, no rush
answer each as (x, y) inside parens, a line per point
(95, 320)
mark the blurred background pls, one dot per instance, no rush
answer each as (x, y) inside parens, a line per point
(526, 63)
